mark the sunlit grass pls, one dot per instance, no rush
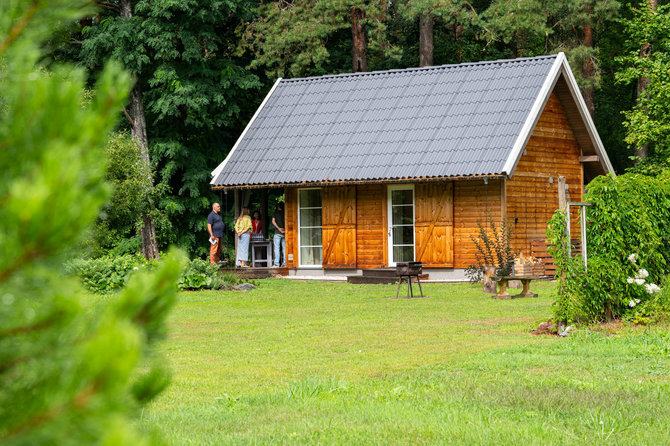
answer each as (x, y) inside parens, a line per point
(338, 363)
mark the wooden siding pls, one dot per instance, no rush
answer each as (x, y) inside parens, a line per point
(291, 222)
(339, 226)
(474, 201)
(371, 235)
(434, 224)
(552, 151)
(443, 237)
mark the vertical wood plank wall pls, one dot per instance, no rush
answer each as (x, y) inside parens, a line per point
(338, 216)
(434, 224)
(355, 224)
(291, 222)
(551, 151)
(474, 201)
(371, 238)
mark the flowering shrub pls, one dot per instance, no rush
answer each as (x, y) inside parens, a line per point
(628, 240)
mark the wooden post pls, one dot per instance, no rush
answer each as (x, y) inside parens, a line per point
(583, 234)
(264, 212)
(562, 199)
(246, 198)
(238, 209)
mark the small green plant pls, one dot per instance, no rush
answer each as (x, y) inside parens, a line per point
(494, 248)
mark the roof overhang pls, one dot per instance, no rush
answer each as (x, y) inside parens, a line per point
(357, 182)
(560, 71)
(215, 173)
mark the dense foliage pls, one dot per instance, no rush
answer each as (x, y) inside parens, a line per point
(195, 89)
(648, 123)
(628, 240)
(69, 373)
(108, 274)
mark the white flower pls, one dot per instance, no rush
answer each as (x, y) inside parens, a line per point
(652, 288)
(639, 281)
(642, 274)
(630, 280)
(135, 268)
(632, 258)
(631, 303)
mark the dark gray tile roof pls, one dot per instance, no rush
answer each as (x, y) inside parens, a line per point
(450, 120)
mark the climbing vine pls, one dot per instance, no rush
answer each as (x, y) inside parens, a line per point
(628, 241)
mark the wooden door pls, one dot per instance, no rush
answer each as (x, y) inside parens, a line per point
(339, 227)
(434, 224)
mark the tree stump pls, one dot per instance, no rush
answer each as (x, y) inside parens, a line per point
(488, 284)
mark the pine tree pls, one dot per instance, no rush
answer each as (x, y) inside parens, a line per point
(297, 38)
(68, 368)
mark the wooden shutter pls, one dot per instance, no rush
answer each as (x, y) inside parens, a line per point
(339, 226)
(434, 224)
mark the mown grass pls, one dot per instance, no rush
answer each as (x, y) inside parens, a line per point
(340, 364)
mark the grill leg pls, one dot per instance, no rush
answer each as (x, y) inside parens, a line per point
(419, 282)
(409, 286)
(397, 291)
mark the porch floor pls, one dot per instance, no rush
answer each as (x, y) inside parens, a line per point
(255, 272)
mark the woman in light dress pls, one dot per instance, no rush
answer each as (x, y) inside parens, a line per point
(243, 232)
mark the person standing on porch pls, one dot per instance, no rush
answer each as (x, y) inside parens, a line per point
(215, 228)
(256, 227)
(279, 240)
(243, 232)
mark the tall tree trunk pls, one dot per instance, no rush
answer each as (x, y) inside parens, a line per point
(359, 35)
(425, 41)
(642, 151)
(138, 132)
(588, 70)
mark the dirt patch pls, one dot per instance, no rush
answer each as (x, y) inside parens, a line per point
(547, 328)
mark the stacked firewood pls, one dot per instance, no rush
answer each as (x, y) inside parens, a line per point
(528, 266)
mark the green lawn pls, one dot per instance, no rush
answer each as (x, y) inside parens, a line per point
(337, 363)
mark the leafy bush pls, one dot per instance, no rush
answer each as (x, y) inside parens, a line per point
(108, 274)
(628, 240)
(201, 274)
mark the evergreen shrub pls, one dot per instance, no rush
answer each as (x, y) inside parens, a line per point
(70, 374)
(628, 241)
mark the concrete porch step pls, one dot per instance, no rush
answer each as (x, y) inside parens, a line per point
(375, 279)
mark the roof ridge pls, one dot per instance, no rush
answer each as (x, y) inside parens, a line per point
(428, 68)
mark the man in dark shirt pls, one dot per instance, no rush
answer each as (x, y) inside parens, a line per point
(215, 228)
(278, 240)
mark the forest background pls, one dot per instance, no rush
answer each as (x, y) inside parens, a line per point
(203, 67)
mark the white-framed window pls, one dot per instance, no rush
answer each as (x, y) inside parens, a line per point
(401, 223)
(310, 239)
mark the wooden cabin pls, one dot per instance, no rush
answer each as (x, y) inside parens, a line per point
(401, 165)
